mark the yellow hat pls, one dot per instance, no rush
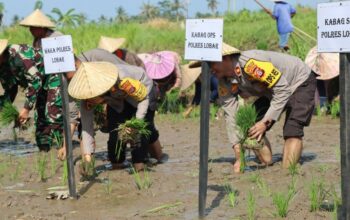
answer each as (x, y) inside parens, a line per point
(226, 50)
(110, 44)
(37, 19)
(93, 79)
(189, 76)
(3, 45)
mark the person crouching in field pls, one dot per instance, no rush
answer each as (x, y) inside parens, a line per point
(40, 27)
(285, 80)
(118, 86)
(22, 65)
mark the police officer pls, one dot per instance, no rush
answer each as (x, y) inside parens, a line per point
(285, 80)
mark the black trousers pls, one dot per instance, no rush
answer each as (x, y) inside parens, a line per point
(114, 120)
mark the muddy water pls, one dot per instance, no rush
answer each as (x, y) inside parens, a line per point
(177, 180)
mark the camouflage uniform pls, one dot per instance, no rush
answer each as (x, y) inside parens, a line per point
(24, 67)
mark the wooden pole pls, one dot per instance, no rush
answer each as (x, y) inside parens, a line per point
(204, 139)
(68, 137)
(344, 82)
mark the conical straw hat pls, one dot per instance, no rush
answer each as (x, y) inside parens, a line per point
(93, 79)
(160, 65)
(189, 76)
(110, 44)
(37, 19)
(226, 50)
(3, 45)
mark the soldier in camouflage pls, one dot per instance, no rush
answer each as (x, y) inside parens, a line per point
(22, 66)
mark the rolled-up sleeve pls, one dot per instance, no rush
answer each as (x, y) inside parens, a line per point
(280, 95)
(87, 123)
(230, 106)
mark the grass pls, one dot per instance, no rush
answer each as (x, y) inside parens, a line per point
(141, 183)
(251, 206)
(41, 165)
(9, 114)
(282, 200)
(317, 194)
(171, 103)
(108, 185)
(231, 194)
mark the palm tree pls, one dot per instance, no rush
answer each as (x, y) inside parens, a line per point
(67, 19)
(178, 6)
(38, 5)
(15, 20)
(102, 19)
(82, 19)
(213, 6)
(149, 11)
(122, 16)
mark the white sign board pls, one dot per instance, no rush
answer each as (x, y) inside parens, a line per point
(333, 20)
(204, 39)
(58, 54)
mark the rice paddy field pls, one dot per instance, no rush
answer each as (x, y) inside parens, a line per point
(170, 190)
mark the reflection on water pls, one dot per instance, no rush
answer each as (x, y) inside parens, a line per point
(19, 148)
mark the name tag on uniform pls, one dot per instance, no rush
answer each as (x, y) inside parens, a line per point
(264, 72)
(133, 88)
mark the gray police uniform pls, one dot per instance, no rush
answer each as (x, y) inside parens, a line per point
(285, 80)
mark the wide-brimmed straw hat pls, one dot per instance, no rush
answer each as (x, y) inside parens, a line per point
(110, 44)
(93, 79)
(189, 76)
(3, 45)
(159, 65)
(226, 50)
(37, 19)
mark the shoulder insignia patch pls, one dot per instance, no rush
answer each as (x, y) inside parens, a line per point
(264, 72)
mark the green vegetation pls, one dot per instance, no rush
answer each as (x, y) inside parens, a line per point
(231, 194)
(161, 34)
(41, 165)
(251, 206)
(282, 200)
(65, 173)
(317, 194)
(171, 103)
(9, 114)
(144, 183)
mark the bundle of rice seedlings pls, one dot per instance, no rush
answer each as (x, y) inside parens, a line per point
(132, 130)
(246, 117)
(9, 114)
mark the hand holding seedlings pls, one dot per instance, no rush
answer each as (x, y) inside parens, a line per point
(259, 129)
(23, 116)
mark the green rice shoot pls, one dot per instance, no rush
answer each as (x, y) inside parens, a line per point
(9, 114)
(138, 128)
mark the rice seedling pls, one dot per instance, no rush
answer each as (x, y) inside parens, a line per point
(262, 185)
(9, 114)
(163, 207)
(282, 200)
(18, 170)
(65, 173)
(171, 103)
(335, 109)
(245, 118)
(41, 165)
(336, 203)
(231, 194)
(317, 194)
(107, 185)
(144, 183)
(293, 169)
(53, 162)
(251, 206)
